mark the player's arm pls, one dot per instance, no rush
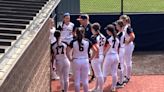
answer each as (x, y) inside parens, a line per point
(94, 43)
(69, 51)
(107, 46)
(131, 34)
(52, 55)
(132, 37)
(95, 52)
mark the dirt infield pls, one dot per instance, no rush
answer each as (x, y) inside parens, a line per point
(151, 83)
(148, 75)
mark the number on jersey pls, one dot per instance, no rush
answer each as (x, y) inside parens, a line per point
(101, 42)
(61, 49)
(81, 48)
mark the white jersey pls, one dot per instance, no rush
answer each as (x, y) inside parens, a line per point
(113, 45)
(128, 30)
(99, 40)
(59, 51)
(52, 38)
(121, 37)
(81, 52)
(66, 31)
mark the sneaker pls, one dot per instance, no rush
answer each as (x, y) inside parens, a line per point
(113, 90)
(92, 79)
(119, 85)
(56, 77)
(126, 80)
(93, 90)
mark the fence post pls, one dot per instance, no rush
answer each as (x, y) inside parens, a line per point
(122, 7)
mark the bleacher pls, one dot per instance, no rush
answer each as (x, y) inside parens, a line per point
(20, 22)
(15, 17)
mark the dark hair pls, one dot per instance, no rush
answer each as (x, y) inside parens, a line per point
(120, 23)
(80, 35)
(57, 34)
(114, 24)
(111, 28)
(96, 26)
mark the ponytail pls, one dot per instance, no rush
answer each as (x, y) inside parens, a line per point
(111, 28)
(96, 26)
(80, 35)
(57, 35)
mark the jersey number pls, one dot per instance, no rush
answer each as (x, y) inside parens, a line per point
(81, 48)
(101, 41)
(114, 41)
(60, 47)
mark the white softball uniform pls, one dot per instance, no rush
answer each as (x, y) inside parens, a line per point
(121, 36)
(111, 60)
(62, 63)
(99, 40)
(81, 63)
(129, 48)
(52, 40)
(66, 32)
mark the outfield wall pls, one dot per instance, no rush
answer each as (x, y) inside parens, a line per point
(148, 28)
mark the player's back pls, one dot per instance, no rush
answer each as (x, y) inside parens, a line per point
(114, 43)
(80, 51)
(59, 50)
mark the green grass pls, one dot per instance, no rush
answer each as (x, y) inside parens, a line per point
(99, 6)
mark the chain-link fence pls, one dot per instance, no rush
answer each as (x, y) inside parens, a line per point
(108, 6)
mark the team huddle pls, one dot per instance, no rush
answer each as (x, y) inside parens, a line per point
(84, 48)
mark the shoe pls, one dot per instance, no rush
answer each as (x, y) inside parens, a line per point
(62, 90)
(126, 80)
(113, 90)
(55, 77)
(119, 85)
(93, 90)
(92, 79)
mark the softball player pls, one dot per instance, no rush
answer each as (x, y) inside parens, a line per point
(99, 40)
(121, 36)
(84, 22)
(52, 40)
(129, 45)
(62, 62)
(67, 29)
(81, 47)
(111, 56)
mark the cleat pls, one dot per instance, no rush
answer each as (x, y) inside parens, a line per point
(92, 79)
(126, 80)
(113, 90)
(119, 85)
